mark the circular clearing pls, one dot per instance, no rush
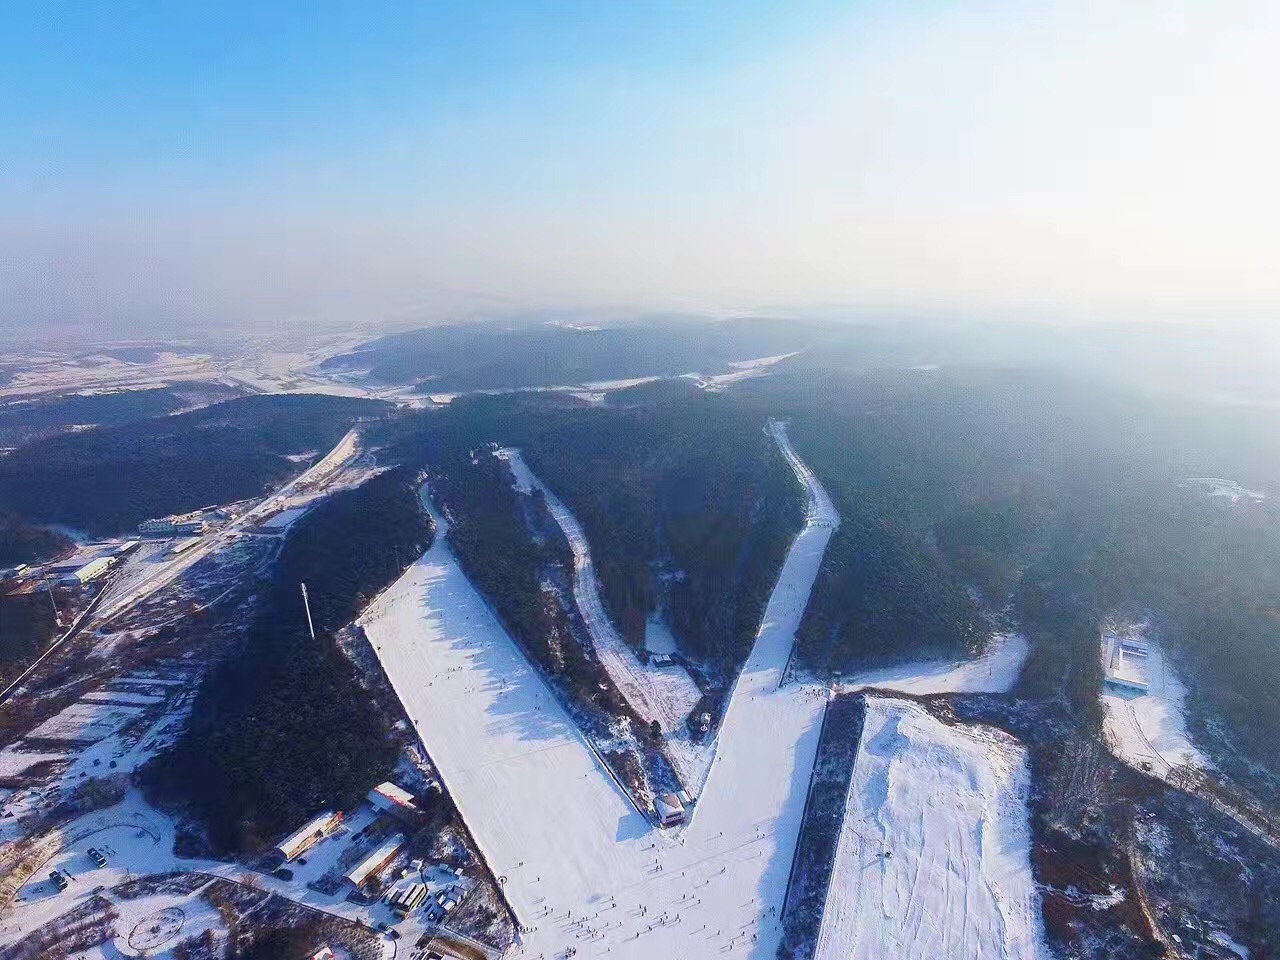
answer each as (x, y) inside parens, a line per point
(160, 927)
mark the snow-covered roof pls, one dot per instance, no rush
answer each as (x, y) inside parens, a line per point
(387, 795)
(669, 807)
(302, 838)
(1127, 665)
(376, 860)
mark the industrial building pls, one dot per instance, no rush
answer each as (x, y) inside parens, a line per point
(308, 835)
(392, 798)
(173, 526)
(1127, 664)
(375, 861)
(89, 571)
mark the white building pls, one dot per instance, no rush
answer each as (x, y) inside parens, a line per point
(670, 810)
(392, 798)
(308, 835)
(375, 861)
(1127, 664)
(172, 526)
(91, 570)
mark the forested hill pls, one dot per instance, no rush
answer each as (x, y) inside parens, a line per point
(687, 504)
(688, 496)
(283, 728)
(107, 479)
(22, 542)
(24, 421)
(482, 356)
(1063, 499)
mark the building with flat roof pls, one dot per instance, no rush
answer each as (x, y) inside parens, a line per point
(375, 861)
(89, 571)
(392, 798)
(1127, 664)
(308, 835)
(172, 526)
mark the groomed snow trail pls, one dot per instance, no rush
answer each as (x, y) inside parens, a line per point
(947, 804)
(583, 870)
(665, 694)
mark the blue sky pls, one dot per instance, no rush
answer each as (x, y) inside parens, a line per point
(251, 163)
(144, 95)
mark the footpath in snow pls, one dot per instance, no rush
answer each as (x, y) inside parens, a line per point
(666, 694)
(583, 870)
(934, 855)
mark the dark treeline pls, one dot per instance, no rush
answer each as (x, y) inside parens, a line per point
(508, 544)
(22, 542)
(26, 627)
(479, 356)
(1061, 498)
(282, 727)
(689, 495)
(23, 421)
(107, 479)
(687, 504)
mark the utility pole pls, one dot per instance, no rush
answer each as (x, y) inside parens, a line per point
(307, 603)
(57, 617)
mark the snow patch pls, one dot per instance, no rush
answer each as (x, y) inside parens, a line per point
(996, 671)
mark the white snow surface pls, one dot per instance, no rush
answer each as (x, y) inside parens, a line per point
(1224, 489)
(85, 721)
(665, 694)
(996, 671)
(583, 869)
(948, 806)
(1148, 729)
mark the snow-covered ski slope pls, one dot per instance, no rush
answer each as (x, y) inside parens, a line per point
(583, 871)
(996, 671)
(528, 784)
(665, 694)
(934, 856)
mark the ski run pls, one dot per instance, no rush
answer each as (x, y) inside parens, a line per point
(666, 694)
(934, 855)
(586, 873)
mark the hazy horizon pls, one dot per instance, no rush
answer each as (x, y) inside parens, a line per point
(169, 169)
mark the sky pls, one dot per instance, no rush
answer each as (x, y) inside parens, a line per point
(192, 165)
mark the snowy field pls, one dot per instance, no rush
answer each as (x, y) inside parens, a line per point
(665, 694)
(85, 721)
(14, 763)
(284, 518)
(996, 671)
(584, 871)
(1147, 729)
(934, 857)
